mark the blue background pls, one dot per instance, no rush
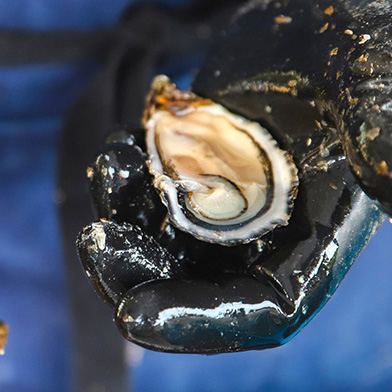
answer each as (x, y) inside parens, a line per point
(348, 346)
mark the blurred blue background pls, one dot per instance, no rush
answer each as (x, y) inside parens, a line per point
(348, 346)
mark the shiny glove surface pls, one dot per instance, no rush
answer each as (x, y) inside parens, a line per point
(312, 74)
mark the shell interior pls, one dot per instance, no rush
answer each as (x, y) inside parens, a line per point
(222, 177)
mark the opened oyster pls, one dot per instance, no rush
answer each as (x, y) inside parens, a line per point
(222, 177)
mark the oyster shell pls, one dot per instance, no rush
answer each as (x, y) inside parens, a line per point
(222, 177)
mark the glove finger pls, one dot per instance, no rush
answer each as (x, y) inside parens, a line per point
(203, 317)
(121, 183)
(117, 257)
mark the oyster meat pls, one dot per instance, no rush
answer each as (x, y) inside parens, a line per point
(222, 177)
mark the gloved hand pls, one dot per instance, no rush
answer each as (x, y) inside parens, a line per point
(316, 76)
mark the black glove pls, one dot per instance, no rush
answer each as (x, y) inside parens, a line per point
(315, 75)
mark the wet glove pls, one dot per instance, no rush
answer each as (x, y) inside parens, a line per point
(316, 76)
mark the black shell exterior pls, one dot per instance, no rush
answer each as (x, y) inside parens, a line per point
(285, 65)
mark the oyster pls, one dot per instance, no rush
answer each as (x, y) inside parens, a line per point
(222, 177)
